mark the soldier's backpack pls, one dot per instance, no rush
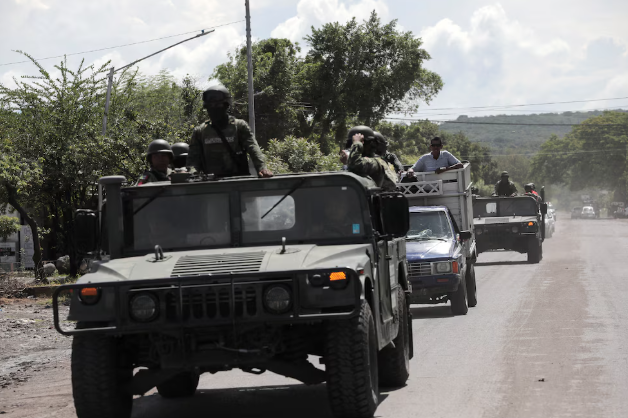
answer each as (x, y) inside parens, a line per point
(390, 180)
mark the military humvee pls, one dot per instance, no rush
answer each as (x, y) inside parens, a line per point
(510, 223)
(241, 273)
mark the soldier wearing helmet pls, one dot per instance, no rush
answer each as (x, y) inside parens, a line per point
(180, 151)
(505, 187)
(388, 156)
(159, 157)
(222, 144)
(364, 161)
(530, 190)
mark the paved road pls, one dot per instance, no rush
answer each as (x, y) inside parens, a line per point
(546, 340)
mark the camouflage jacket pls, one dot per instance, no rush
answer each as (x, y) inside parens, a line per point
(152, 175)
(382, 173)
(208, 154)
(505, 189)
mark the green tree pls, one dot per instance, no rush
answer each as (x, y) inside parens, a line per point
(276, 67)
(9, 225)
(363, 71)
(298, 155)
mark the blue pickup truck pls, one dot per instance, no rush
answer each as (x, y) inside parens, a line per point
(441, 247)
(437, 265)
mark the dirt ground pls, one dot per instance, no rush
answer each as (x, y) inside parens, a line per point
(29, 344)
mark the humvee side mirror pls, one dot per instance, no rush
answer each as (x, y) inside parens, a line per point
(543, 208)
(86, 231)
(465, 235)
(395, 214)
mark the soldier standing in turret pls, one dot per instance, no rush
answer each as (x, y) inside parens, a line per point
(364, 161)
(505, 187)
(159, 157)
(221, 145)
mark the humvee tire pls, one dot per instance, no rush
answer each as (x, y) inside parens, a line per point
(535, 251)
(394, 363)
(459, 298)
(351, 365)
(180, 386)
(98, 378)
(472, 297)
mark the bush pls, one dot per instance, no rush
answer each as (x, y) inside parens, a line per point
(8, 226)
(297, 155)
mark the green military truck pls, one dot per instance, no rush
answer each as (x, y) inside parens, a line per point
(242, 273)
(511, 224)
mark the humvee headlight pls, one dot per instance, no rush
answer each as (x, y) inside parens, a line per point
(89, 295)
(478, 231)
(144, 307)
(442, 267)
(278, 299)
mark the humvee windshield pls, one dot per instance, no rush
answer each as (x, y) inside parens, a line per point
(202, 220)
(504, 207)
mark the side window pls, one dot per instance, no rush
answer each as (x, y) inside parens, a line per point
(491, 208)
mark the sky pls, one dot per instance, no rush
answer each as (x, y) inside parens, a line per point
(488, 53)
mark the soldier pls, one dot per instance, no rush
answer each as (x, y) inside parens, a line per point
(159, 157)
(529, 188)
(363, 160)
(388, 156)
(180, 151)
(505, 187)
(220, 145)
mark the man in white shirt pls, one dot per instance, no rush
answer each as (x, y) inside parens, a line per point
(438, 160)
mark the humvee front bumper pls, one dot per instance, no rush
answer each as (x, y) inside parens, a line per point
(162, 305)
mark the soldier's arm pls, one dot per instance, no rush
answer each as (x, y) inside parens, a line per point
(359, 164)
(195, 153)
(250, 145)
(397, 164)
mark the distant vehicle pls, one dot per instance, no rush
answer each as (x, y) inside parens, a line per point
(550, 224)
(552, 209)
(588, 212)
(576, 212)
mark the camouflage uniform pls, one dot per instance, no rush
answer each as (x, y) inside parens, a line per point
(505, 189)
(391, 158)
(208, 154)
(374, 167)
(152, 175)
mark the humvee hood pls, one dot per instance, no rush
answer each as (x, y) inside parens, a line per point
(232, 260)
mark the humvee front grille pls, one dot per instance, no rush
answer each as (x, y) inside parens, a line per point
(200, 265)
(214, 303)
(420, 269)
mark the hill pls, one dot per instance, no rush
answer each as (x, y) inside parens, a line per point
(509, 137)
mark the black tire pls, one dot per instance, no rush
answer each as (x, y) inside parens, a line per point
(535, 251)
(459, 299)
(394, 363)
(351, 366)
(98, 378)
(472, 296)
(181, 386)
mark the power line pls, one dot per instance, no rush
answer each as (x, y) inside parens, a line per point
(537, 111)
(505, 123)
(524, 105)
(549, 153)
(121, 46)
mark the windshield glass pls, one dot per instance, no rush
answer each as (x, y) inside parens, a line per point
(308, 213)
(504, 207)
(183, 221)
(429, 225)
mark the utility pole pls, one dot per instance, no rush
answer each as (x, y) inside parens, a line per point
(249, 53)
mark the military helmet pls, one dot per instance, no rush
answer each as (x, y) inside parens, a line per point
(368, 133)
(504, 173)
(159, 146)
(528, 187)
(217, 94)
(180, 149)
(381, 144)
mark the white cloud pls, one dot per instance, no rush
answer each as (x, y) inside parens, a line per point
(317, 12)
(35, 4)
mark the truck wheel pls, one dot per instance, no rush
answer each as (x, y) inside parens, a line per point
(459, 299)
(98, 378)
(394, 363)
(534, 252)
(351, 365)
(472, 297)
(180, 386)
